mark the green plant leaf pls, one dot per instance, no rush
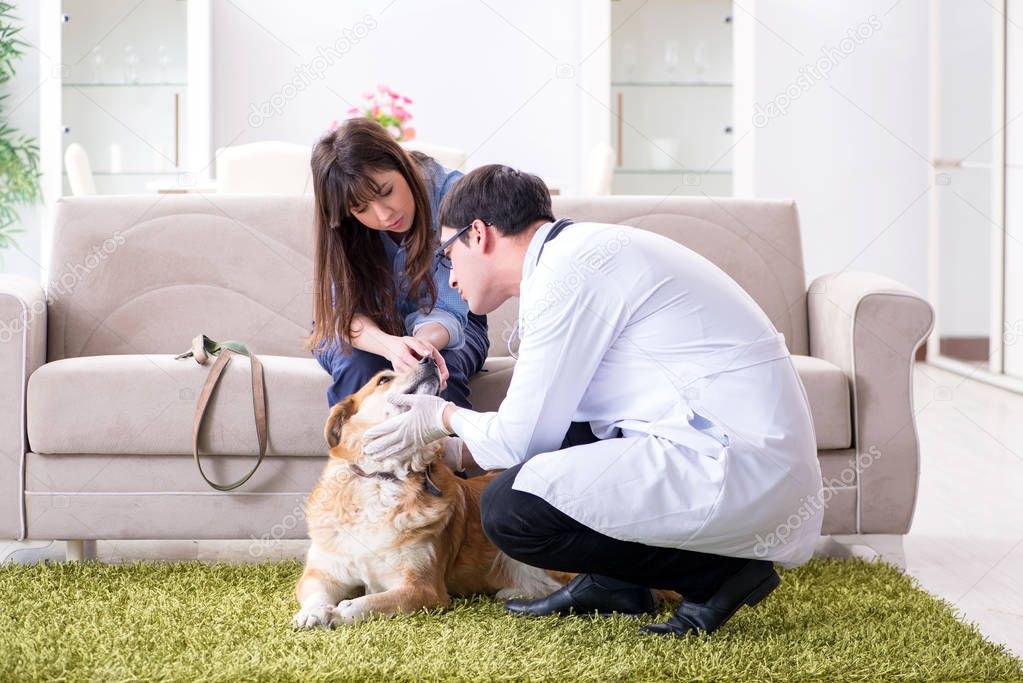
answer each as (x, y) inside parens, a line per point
(19, 154)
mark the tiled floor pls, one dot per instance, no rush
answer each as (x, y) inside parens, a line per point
(966, 544)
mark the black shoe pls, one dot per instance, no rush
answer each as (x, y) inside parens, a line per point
(586, 594)
(748, 586)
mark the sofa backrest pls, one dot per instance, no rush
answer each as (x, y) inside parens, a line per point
(145, 274)
(757, 242)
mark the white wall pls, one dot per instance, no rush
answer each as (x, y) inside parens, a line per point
(492, 85)
(851, 148)
(489, 84)
(505, 88)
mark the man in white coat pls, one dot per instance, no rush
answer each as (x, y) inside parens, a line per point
(655, 434)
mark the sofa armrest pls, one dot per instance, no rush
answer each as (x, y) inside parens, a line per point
(22, 350)
(870, 326)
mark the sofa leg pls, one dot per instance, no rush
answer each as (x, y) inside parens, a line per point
(887, 547)
(80, 551)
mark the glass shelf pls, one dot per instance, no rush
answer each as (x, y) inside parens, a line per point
(668, 171)
(670, 84)
(108, 174)
(125, 85)
(125, 88)
(671, 87)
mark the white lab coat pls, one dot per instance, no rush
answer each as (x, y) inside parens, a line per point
(629, 330)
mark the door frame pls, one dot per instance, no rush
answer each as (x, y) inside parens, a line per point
(994, 372)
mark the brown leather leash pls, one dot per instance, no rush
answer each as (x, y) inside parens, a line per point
(202, 348)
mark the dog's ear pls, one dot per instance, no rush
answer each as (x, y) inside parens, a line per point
(339, 415)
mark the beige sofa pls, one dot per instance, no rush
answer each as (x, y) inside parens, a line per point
(95, 412)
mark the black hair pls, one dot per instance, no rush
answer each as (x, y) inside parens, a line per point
(509, 199)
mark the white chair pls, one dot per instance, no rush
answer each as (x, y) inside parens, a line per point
(599, 171)
(264, 168)
(448, 157)
(79, 170)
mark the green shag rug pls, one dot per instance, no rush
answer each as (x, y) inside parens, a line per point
(830, 619)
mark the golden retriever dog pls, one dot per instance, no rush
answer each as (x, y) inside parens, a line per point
(398, 534)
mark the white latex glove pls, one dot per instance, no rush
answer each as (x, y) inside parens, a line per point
(423, 423)
(453, 453)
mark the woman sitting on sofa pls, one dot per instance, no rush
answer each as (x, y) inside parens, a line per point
(381, 299)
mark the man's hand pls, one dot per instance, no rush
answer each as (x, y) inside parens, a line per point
(410, 431)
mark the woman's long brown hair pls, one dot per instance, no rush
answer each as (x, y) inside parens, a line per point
(349, 255)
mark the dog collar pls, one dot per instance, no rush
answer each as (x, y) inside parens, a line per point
(427, 482)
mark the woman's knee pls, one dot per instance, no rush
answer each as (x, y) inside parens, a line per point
(324, 355)
(457, 390)
(351, 371)
(466, 361)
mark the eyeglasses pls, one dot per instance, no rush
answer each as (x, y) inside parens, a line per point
(442, 251)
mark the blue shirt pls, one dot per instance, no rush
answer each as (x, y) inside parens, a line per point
(450, 310)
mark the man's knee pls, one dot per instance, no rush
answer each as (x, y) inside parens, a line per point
(496, 507)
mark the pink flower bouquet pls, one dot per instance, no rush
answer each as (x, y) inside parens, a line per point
(387, 108)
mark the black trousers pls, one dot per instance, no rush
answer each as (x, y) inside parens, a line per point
(531, 530)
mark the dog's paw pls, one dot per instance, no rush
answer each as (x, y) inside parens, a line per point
(349, 612)
(314, 616)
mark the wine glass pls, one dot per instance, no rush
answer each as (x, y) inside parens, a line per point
(163, 58)
(97, 64)
(131, 64)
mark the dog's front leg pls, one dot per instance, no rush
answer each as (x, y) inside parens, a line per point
(404, 599)
(318, 592)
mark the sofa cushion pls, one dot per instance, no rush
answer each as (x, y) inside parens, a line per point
(487, 388)
(145, 404)
(827, 390)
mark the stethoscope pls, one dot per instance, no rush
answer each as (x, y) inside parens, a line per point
(555, 230)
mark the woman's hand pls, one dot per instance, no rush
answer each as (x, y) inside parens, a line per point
(405, 353)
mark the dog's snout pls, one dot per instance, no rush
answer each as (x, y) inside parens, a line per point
(425, 378)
